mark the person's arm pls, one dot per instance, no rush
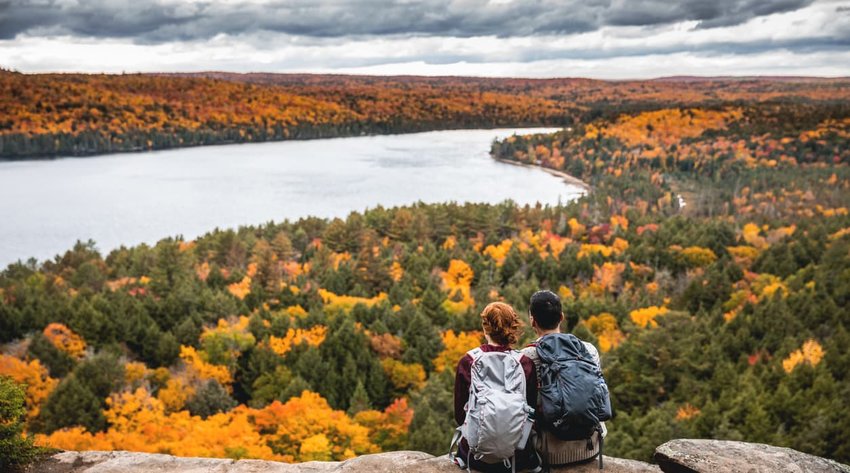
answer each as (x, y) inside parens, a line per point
(462, 381)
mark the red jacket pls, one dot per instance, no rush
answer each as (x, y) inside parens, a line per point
(463, 379)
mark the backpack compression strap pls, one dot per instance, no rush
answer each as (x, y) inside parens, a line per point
(475, 353)
(527, 426)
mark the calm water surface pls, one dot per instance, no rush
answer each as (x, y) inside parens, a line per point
(127, 199)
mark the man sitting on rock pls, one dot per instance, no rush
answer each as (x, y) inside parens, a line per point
(546, 315)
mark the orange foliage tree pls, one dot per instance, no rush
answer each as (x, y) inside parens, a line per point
(287, 426)
(34, 376)
(388, 429)
(65, 339)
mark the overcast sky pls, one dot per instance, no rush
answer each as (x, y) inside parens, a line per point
(612, 39)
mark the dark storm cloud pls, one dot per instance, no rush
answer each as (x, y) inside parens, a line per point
(156, 21)
(708, 13)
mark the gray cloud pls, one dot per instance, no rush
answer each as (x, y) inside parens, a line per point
(540, 53)
(159, 21)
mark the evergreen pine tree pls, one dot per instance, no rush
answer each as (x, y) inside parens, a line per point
(433, 418)
(359, 400)
(209, 399)
(423, 342)
(71, 403)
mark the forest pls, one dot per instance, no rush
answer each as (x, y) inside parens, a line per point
(47, 115)
(710, 263)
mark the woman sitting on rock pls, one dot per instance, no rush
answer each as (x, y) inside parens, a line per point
(495, 386)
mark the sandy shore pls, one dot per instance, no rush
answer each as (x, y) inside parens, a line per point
(564, 176)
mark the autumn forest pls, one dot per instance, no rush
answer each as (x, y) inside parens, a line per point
(709, 262)
(45, 115)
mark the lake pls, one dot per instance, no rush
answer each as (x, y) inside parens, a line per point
(127, 199)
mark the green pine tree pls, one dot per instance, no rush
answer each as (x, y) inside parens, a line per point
(359, 400)
(16, 449)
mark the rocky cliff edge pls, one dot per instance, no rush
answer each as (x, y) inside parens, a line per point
(679, 456)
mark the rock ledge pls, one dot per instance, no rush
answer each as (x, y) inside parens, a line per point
(405, 461)
(722, 456)
(675, 456)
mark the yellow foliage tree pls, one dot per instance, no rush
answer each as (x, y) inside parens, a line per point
(450, 242)
(396, 271)
(577, 230)
(811, 352)
(589, 249)
(565, 293)
(346, 303)
(314, 336)
(315, 448)
(135, 372)
(499, 252)
(199, 367)
(175, 393)
(458, 275)
(404, 376)
(457, 280)
(765, 286)
(454, 347)
(620, 221)
(752, 235)
(647, 315)
(296, 311)
(605, 327)
(224, 342)
(696, 256)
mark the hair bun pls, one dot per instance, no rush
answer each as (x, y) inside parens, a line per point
(501, 323)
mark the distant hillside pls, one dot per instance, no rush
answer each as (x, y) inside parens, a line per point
(77, 114)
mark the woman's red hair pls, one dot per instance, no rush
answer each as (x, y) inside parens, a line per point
(501, 323)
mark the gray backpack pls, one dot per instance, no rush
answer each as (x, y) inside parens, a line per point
(498, 418)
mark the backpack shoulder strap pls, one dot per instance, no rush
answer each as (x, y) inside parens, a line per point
(517, 355)
(475, 353)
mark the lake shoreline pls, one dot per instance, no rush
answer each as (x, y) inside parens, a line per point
(108, 198)
(568, 179)
(6, 158)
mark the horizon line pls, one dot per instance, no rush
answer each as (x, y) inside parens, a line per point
(676, 77)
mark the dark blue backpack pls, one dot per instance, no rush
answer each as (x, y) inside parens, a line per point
(574, 398)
